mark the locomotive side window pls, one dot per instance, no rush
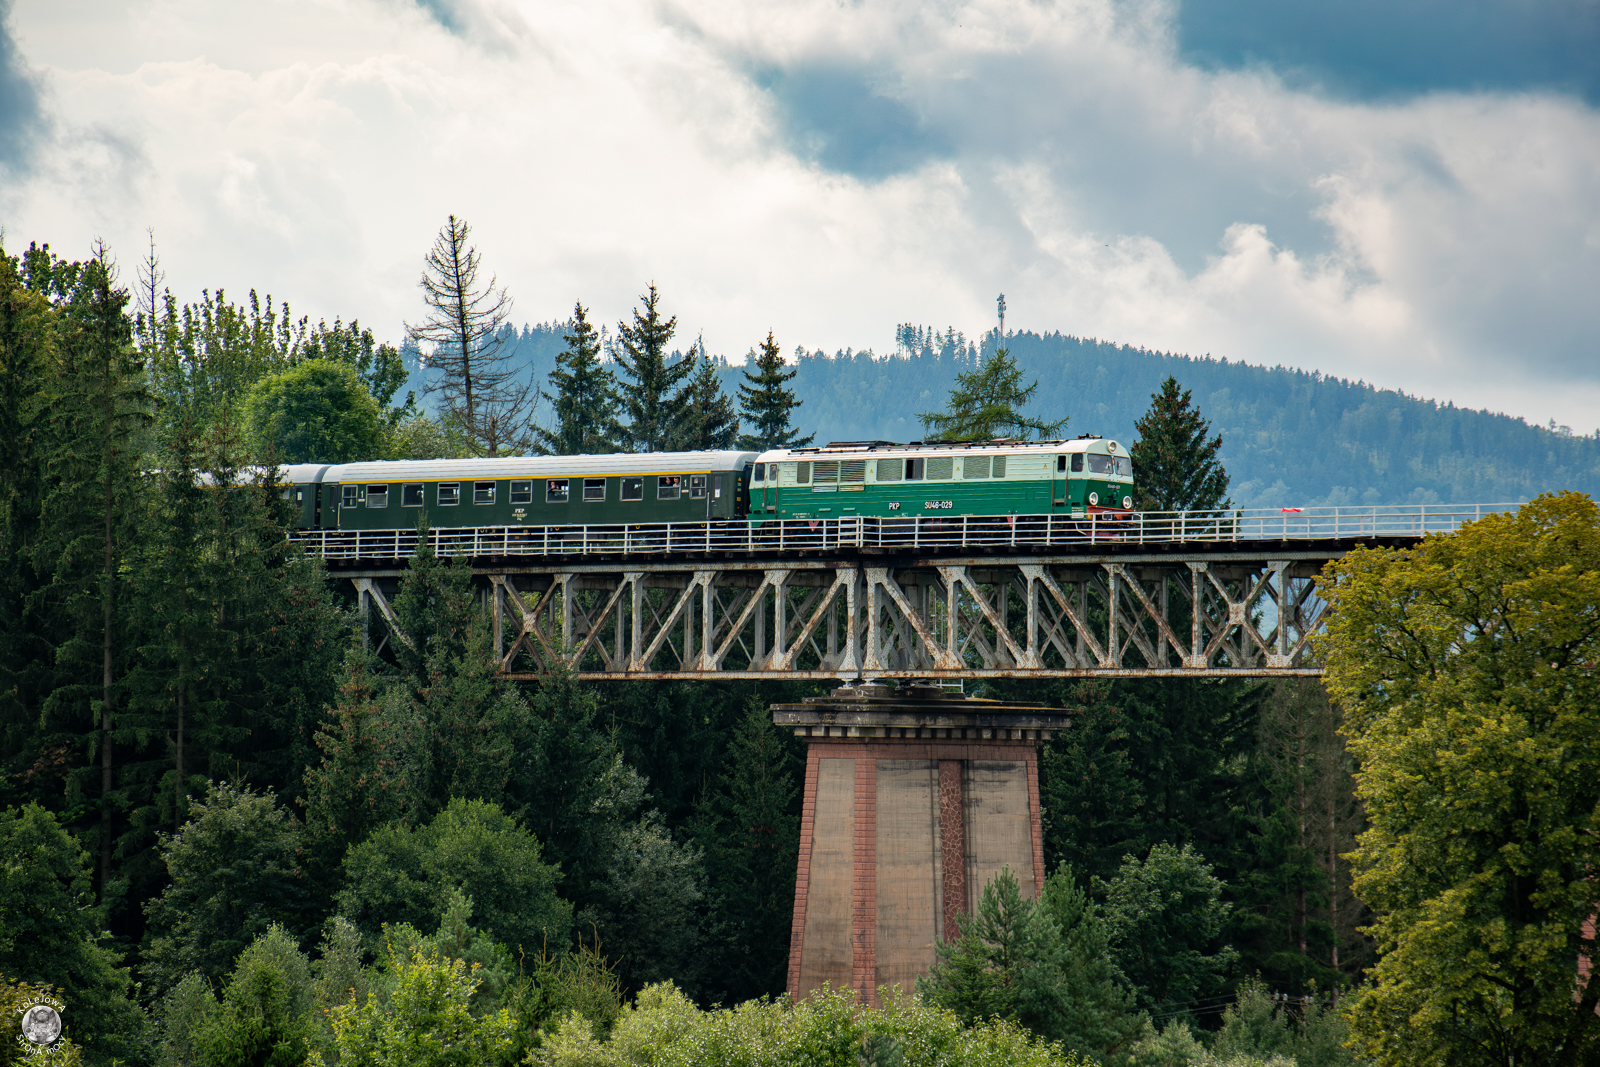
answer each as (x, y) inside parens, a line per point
(483, 492)
(522, 492)
(1099, 464)
(555, 490)
(802, 473)
(411, 495)
(377, 496)
(697, 487)
(449, 494)
(939, 468)
(975, 467)
(594, 490)
(1077, 463)
(633, 488)
(667, 487)
(915, 468)
(352, 495)
(760, 474)
(890, 470)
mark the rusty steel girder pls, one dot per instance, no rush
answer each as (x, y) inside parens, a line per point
(1159, 615)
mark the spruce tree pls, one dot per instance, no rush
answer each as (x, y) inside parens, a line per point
(1175, 467)
(708, 420)
(651, 394)
(987, 403)
(585, 399)
(767, 405)
(98, 411)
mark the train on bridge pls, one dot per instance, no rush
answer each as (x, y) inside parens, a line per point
(902, 485)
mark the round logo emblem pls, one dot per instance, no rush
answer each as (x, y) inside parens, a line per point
(41, 1025)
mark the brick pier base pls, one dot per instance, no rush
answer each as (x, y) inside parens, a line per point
(901, 829)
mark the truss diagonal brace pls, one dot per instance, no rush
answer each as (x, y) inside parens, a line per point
(368, 592)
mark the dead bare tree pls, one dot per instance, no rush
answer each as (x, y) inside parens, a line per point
(472, 370)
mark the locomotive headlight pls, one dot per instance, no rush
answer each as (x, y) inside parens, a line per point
(1127, 502)
(1094, 498)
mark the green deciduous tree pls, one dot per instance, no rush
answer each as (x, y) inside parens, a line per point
(767, 405)
(426, 1022)
(987, 403)
(1466, 669)
(318, 411)
(585, 402)
(651, 389)
(235, 871)
(1175, 466)
(401, 874)
(1165, 917)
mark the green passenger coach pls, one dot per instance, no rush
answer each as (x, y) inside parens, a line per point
(845, 479)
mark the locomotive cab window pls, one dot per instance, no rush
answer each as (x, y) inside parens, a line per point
(377, 496)
(555, 490)
(633, 488)
(483, 492)
(667, 487)
(352, 495)
(449, 494)
(522, 492)
(1077, 463)
(411, 495)
(760, 474)
(697, 487)
(594, 490)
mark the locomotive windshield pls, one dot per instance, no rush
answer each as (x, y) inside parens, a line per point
(1114, 465)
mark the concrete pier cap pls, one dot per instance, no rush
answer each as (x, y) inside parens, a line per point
(915, 797)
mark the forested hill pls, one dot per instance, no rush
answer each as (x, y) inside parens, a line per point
(1290, 438)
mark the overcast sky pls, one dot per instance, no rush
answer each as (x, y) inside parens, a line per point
(1405, 191)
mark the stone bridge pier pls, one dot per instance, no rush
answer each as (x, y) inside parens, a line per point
(915, 797)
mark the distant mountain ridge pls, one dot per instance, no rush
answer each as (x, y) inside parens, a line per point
(1291, 438)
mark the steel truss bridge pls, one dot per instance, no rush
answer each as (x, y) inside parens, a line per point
(1174, 594)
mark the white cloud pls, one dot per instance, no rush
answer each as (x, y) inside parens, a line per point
(1449, 245)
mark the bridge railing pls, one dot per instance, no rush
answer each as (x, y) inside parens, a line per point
(912, 533)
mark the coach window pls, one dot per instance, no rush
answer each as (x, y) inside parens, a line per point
(555, 490)
(594, 490)
(522, 492)
(377, 496)
(449, 494)
(667, 487)
(411, 495)
(633, 488)
(483, 492)
(915, 469)
(697, 487)
(352, 495)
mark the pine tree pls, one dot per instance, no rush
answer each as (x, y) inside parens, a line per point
(767, 405)
(464, 325)
(650, 393)
(585, 400)
(987, 403)
(1174, 467)
(708, 420)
